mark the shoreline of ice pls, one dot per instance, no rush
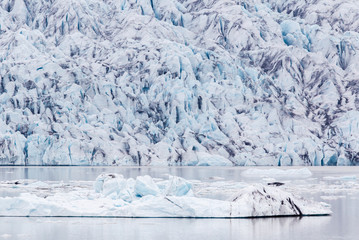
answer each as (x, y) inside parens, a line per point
(115, 196)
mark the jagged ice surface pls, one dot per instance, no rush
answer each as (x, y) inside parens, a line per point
(179, 82)
(116, 196)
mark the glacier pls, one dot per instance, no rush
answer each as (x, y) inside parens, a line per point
(115, 196)
(179, 82)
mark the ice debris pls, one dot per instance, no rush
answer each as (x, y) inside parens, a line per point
(277, 173)
(115, 196)
(118, 187)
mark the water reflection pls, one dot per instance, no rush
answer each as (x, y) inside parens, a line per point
(95, 228)
(341, 225)
(200, 173)
(90, 173)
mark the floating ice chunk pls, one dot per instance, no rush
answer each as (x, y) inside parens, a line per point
(277, 173)
(126, 195)
(102, 178)
(114, 185)
(251, 201)
(145, 186)
(178, 186)
(260, 200)
(117, 187)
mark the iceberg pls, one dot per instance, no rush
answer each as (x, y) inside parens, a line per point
(153, 198)
(120, 188)
(178, 186)
(145, 186)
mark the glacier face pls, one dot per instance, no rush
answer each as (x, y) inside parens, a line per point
(179, 82)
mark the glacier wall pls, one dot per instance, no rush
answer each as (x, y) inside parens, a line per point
(179, 82)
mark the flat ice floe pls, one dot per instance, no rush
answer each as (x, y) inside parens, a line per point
(277, 173)
(113, 195)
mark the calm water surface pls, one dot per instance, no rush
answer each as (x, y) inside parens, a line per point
(341, 225)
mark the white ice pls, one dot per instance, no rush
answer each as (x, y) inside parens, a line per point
(114, 196)
(179, 82)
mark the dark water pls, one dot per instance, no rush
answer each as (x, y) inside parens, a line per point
(343, 224)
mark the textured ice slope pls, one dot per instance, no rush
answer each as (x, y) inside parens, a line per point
(115, 196)
(179, 82)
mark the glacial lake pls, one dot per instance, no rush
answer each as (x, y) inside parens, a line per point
(337, 186)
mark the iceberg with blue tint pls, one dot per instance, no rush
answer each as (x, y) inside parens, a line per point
(159, 198)
(178, 186)
(115, 186)
(145, 186)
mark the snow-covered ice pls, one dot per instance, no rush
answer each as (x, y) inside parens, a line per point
(112, 195)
